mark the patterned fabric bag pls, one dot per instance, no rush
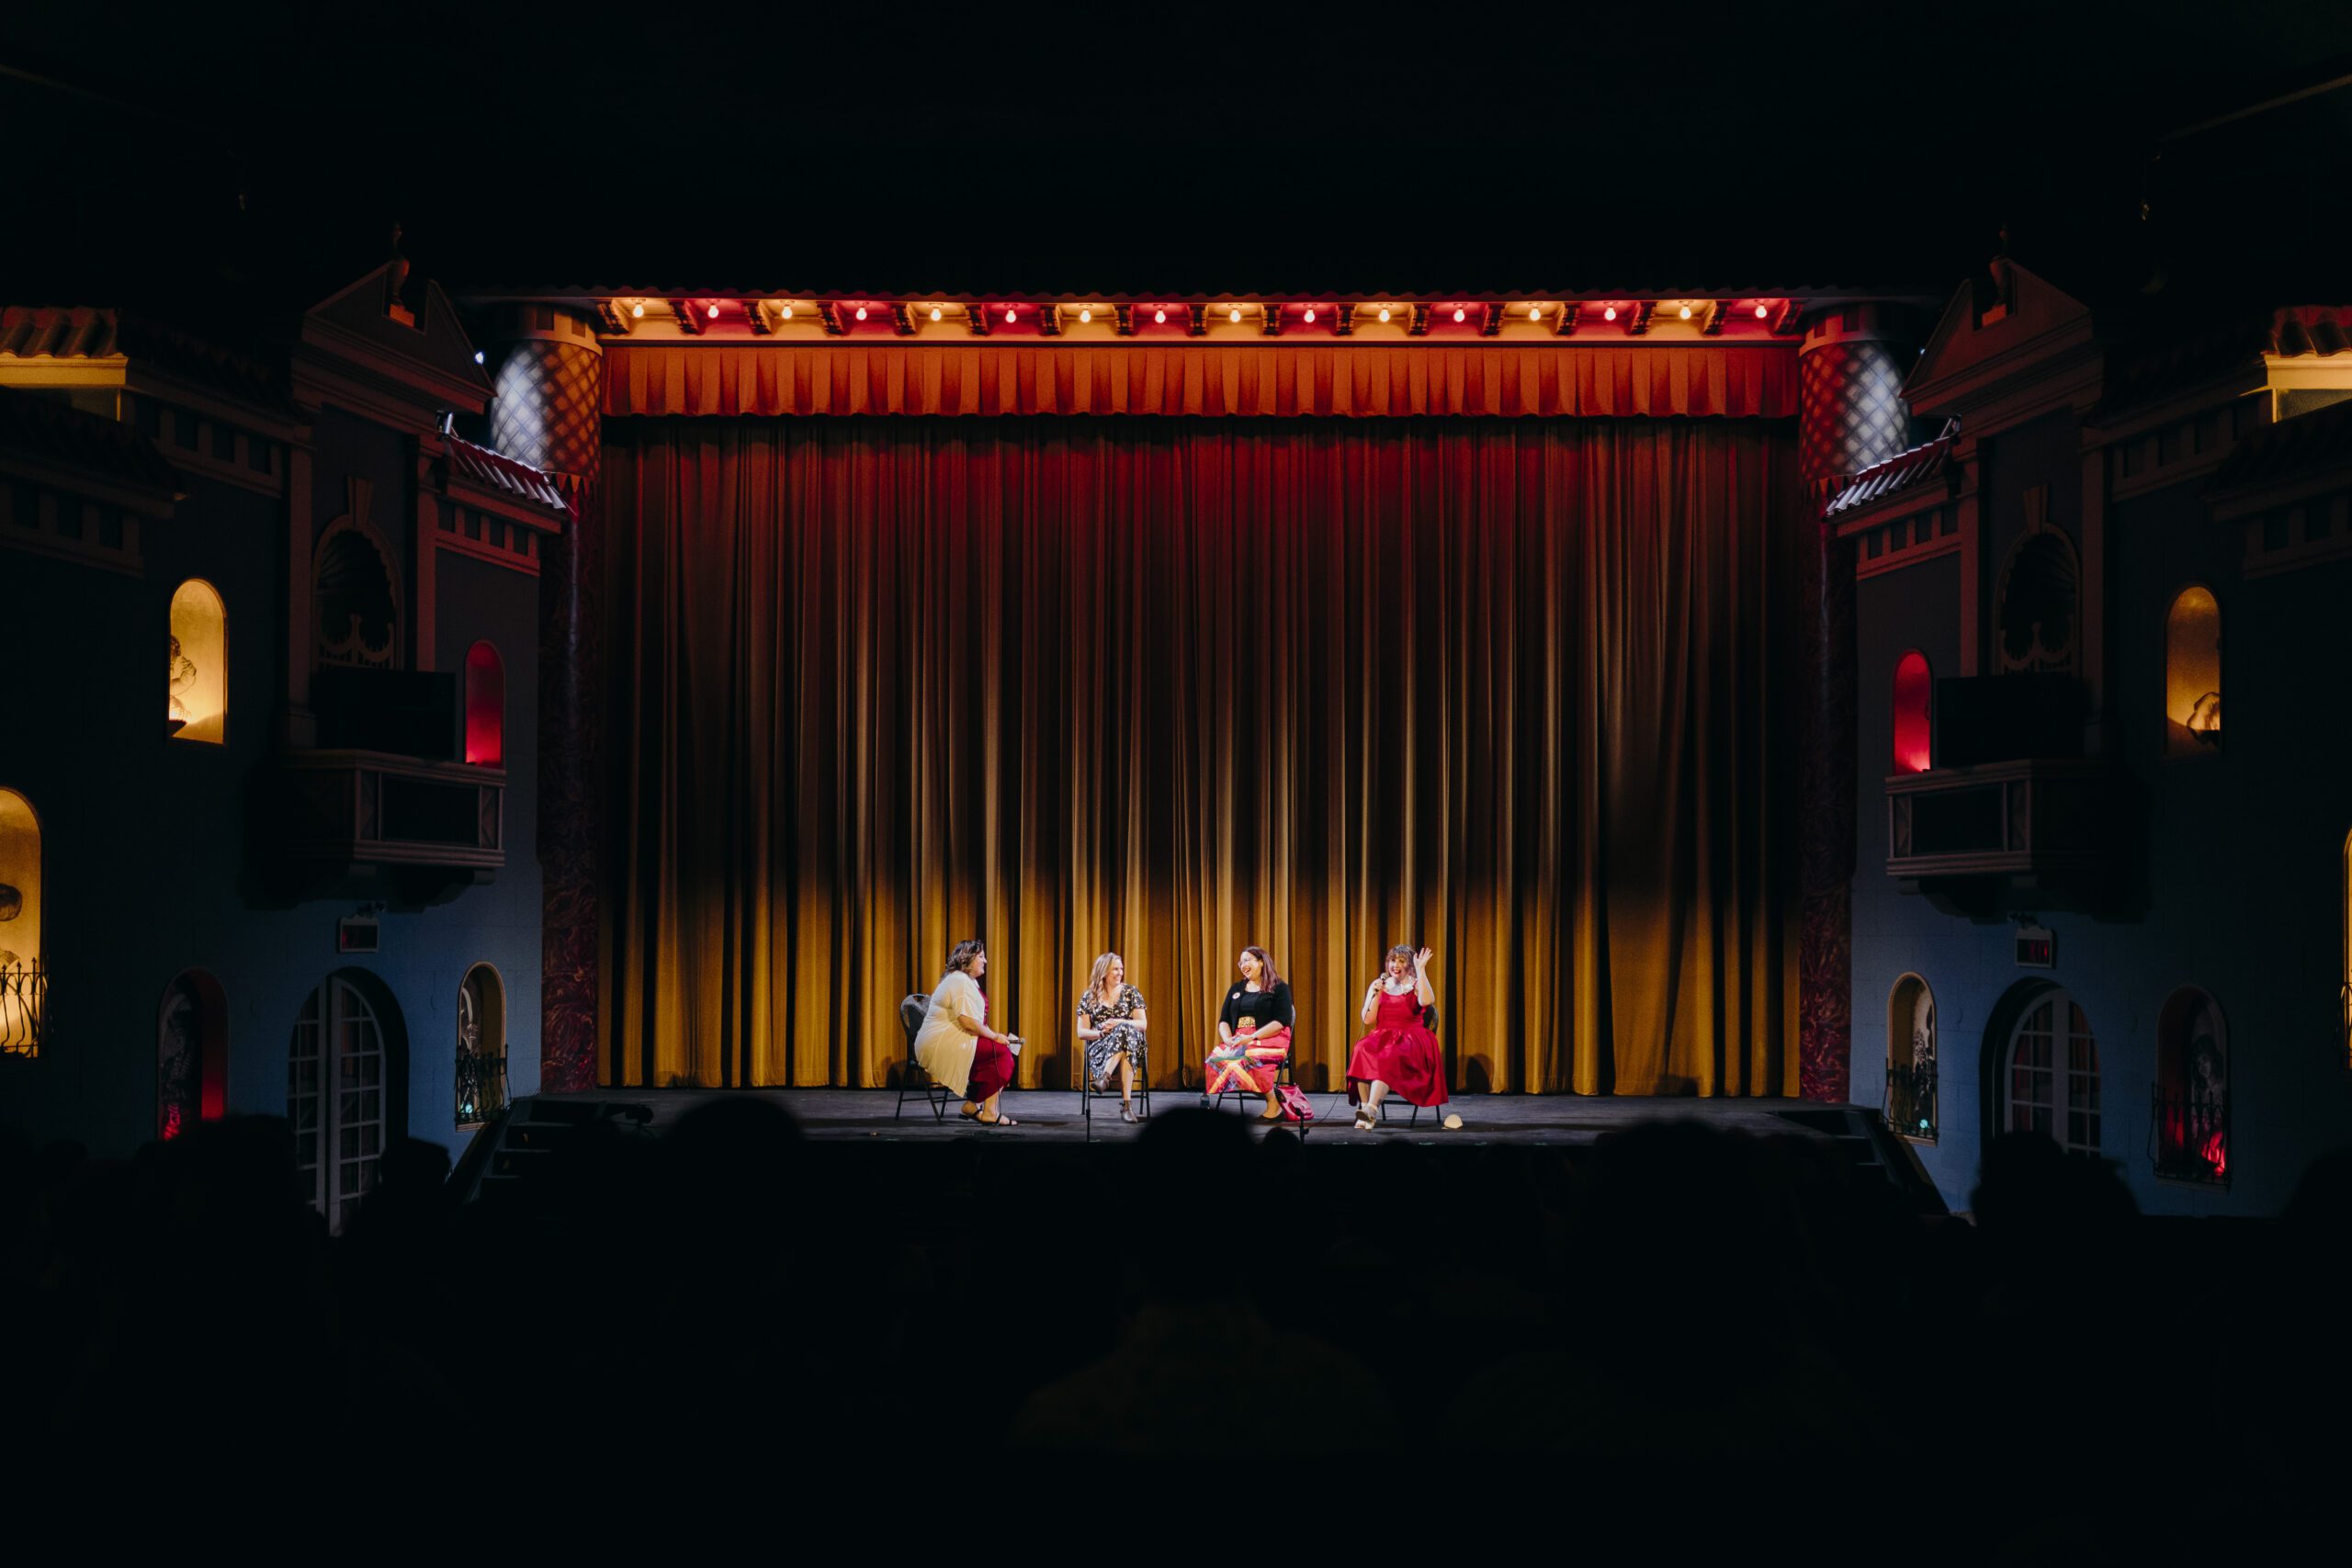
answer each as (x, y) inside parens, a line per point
(1295, 1105)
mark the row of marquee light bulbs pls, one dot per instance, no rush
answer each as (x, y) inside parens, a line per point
(1535, 312)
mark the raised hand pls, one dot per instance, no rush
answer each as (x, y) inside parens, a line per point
(1421, 959)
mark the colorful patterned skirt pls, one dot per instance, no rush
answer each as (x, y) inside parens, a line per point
(1247, 1068)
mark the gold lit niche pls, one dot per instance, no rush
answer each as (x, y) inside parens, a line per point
(198, 698)
(2192, 674)
(22, 982)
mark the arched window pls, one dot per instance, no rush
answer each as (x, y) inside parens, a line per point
(1914, 689)
(198, 695)
(191, 1053)
(2191, 1130)
(1911, 1059)
(2049, 1074)
(485, 706)
(2192, 674)
(481, 1046)
(345, 1071)
(23, 982)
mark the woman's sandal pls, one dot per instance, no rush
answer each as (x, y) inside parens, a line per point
(1126, 1111)
(999, 1120)
(969, 1112)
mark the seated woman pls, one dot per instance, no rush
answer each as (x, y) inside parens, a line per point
(1400, 1054)
(956, 1045)
(1253, 1033)
(1111, 1020)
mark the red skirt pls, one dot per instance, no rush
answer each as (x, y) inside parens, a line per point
(1405, 1059)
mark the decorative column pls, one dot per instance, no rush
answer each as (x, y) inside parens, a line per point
(1849, 415)
(546, 410)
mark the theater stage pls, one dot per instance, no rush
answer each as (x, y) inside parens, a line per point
(1053, 1116)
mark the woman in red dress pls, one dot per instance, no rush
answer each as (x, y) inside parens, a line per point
(1400, 1056)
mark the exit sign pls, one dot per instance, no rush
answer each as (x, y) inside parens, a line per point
(2036, 949)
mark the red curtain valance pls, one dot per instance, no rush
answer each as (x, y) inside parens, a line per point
(1554, 380)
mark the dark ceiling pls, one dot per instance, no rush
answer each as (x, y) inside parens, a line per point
(882, 149)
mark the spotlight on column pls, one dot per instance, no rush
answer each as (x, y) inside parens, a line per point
(1084, 315)
(1460, 314)
(478, 356)
(861, 313)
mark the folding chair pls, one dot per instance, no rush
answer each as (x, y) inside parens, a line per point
(1087, 1094)
(912, 1079)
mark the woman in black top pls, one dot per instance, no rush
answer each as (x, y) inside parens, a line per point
(1253, 1032)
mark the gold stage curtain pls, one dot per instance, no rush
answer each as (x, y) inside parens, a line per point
(1519, 690)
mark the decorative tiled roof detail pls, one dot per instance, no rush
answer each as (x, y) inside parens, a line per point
(38, 427)
(1903, 471)
(495, 471)
(88, 332)
(2308, 443)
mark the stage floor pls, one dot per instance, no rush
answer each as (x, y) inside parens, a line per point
(1053, 1116)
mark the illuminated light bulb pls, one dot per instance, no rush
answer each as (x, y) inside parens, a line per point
(1609, 313)
(712, 312)
(1535, 312)
(1161, 317)
(861, 313)
(1686, 312)
(1010, 313)
(477, 356)
(1460, 314)
(1761, 313)
(1384, 312)
(638, 310)
(1310, 315)
(934, 313)
(1084, 315)
(786, 312)
(1234, 315)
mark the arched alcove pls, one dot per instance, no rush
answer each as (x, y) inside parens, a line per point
(1911, 1059)
(485, 706)
(2192, 673)
(2190, 1134)
(1914, 686)
(481, 1045)
(2039, 605)
(196, 695)
(191, 1053)
(346, 1089)
(23, 980)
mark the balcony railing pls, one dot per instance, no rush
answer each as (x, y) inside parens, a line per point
(349, 810)
(2018, 820)
(481, 1086)
(2189, 1136)
(1910, 1103)
(24, 1012)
